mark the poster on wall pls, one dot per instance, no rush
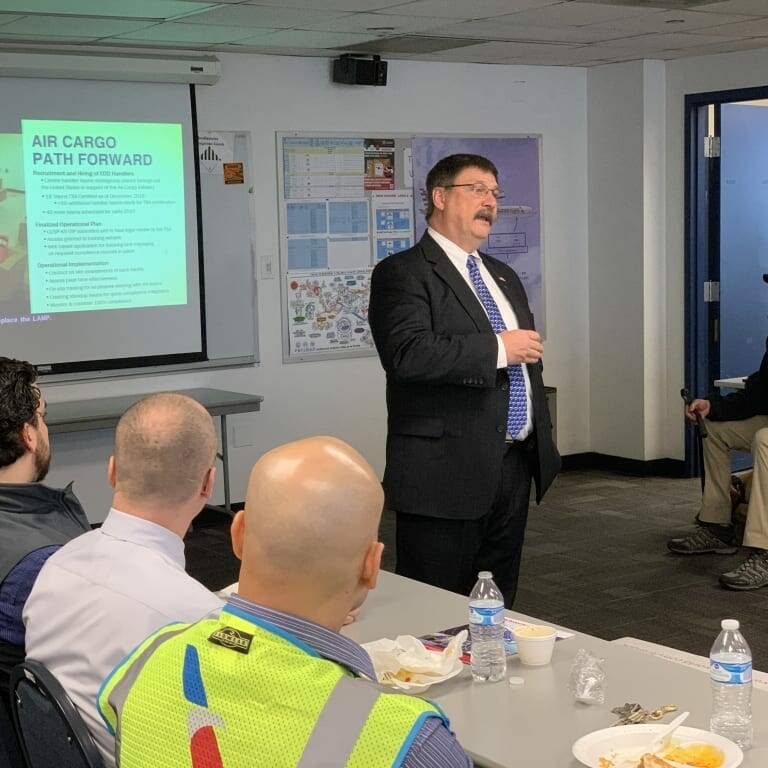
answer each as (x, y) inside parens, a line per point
(328, 311)
(379, 161)
(516, 235)
(392, 214)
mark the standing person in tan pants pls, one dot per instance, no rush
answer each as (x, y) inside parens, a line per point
(737, 422)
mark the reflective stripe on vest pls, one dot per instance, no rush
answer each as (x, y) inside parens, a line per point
(120, 692)
(339, 725)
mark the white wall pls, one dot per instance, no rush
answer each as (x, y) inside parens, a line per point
(684, 76)
(264, 94)
(616, 236)
(636, 137)
(627, 268)
(654, 259)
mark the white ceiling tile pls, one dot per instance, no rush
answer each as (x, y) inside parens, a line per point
(362, 22)
(176, 32)
(6, 37)
(503, 50)
(578, 14)
(141, 45)
(350, 6)
(300, 38)
(755, 28)
(496, 30)
(750, 7)
(662, 42)
(671, 21)
(471, 9)
(566, 55)
(710, 50)
(323, 53)
(262, 16)
(553, 60)
(150, 9)
(72, 26)
(619, 53)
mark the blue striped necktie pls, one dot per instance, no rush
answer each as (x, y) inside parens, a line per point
(517, 412)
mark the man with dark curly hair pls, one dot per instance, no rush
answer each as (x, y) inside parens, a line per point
(35, 520)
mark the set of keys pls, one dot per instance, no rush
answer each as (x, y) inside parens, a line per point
(634, 714)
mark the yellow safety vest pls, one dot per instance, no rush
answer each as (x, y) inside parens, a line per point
(240, 692)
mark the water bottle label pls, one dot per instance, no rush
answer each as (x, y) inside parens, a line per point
(733, 674)
(488, 617)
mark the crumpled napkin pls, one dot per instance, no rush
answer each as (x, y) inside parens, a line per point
(405, 663)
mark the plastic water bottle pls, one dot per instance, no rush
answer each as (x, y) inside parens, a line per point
(730, 672)
(486, 628)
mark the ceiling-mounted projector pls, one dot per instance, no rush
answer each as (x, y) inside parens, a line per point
(351, 69)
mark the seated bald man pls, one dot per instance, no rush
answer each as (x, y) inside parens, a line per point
(272, 682)
(101, 594)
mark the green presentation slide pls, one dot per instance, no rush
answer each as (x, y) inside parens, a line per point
(105, 215)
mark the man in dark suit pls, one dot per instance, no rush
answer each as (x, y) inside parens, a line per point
(739, 422)
(468, 425)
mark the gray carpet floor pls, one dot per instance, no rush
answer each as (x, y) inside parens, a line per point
(595, 560)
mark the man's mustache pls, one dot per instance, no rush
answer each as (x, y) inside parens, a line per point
(486, 214)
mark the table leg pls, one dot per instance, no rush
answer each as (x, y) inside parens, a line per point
(225, 464)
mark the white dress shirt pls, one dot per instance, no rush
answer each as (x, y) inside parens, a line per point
(101, 595)
(458, 257)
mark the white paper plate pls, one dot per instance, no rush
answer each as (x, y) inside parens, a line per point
(588, 749)
(403, 687)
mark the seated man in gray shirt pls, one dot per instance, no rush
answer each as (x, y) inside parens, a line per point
(103, 593)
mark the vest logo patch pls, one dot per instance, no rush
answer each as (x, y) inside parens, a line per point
(234, 639)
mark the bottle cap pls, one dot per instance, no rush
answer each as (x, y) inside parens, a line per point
(484, 575)
(729, 624)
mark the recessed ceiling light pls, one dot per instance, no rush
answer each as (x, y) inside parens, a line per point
(675, 21)
(379, 29)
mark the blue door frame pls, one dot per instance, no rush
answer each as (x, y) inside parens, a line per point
(702, 248)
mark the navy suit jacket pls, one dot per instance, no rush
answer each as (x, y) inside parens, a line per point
(446, 400)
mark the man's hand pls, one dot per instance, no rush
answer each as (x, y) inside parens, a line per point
(522, 346)
(700, 407)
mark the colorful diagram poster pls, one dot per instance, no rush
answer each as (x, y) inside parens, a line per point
(516, 235)
(328, 311)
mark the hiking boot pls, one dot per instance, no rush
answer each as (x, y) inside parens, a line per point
(751, 574)
(702, 541)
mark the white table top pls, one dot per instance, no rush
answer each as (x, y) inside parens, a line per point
(502, 726)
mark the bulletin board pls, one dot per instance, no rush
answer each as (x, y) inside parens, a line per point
(348, 200)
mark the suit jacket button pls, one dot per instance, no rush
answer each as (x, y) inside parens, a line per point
(505, 386)
(499, 429)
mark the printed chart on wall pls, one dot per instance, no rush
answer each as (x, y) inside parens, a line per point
(345, 204)
(347, 201)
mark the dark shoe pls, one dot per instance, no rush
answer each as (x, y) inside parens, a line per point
(701, 542)
(751, 574)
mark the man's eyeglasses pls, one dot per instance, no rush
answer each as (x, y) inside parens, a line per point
(478, 189)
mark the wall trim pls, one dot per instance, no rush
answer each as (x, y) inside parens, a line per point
(601, 461)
